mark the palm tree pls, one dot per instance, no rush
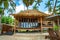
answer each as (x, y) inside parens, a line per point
(52, 8)
(35, 6)
(58, 9)
(48, 4)
(4, 4)
(30, 2)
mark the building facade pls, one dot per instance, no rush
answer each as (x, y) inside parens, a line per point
(32, 20)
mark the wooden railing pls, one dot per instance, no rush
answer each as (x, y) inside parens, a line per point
(47, 25)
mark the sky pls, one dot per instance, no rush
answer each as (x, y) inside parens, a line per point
(20, 6)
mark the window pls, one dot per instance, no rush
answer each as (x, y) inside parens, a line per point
(29, 23)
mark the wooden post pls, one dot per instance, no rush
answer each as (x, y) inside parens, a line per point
(58, 21)
(14, 26)
(53, 23)
(41, 25)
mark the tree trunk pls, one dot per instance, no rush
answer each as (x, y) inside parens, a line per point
(54, 7)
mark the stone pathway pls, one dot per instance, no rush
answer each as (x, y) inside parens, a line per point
(24, 36)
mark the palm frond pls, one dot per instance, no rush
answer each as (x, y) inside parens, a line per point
(50, 9)
(28, 2)
(48, 4)
(6, 4)
(58, 1)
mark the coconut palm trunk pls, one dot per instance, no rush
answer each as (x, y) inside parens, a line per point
(54, 9)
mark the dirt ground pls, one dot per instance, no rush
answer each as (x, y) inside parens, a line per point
(24, 36)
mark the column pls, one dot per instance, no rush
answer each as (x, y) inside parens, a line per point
(15, 26)
(58, 21)
(53, 23)
(39, 21)
(41, 25)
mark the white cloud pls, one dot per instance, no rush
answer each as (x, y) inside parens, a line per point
(47, 12)
(20, 8)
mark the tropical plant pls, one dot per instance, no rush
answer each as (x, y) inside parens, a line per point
(58, 9)
(30, 2)
(54, 9)
(48, 4)
(4, 4)
(35, 6)
(55, 27)
(10, 11)
(7, 20)
(52, 6)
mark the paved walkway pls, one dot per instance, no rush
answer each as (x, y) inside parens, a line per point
(24, 36)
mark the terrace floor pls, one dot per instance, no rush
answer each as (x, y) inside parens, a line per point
(24, 36)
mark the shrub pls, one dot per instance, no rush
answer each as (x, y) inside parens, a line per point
(55, 27)
(7, 20)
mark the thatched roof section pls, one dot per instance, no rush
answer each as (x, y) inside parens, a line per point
(30, 13)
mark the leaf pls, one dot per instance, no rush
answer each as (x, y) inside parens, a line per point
(58, 1)
(13, 5)
(28, 2)
(58, 6)
(1, 11)
(55, 27)
(0, 3)
(48, 4)
(7, 20)
(39, 1)
(6, 5)
(50, 9)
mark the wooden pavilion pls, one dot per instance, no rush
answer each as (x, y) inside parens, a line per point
(31, 20)
(55, 18)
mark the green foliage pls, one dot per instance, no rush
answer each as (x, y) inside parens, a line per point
(58, 9)
(48, 4)
(6, 4)
(37, 4)
(7, 20)
(50, 9)
(38, 1)
(1, 11)
(35, 7)
(28, 2)
(53, 6)
(55, 27)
